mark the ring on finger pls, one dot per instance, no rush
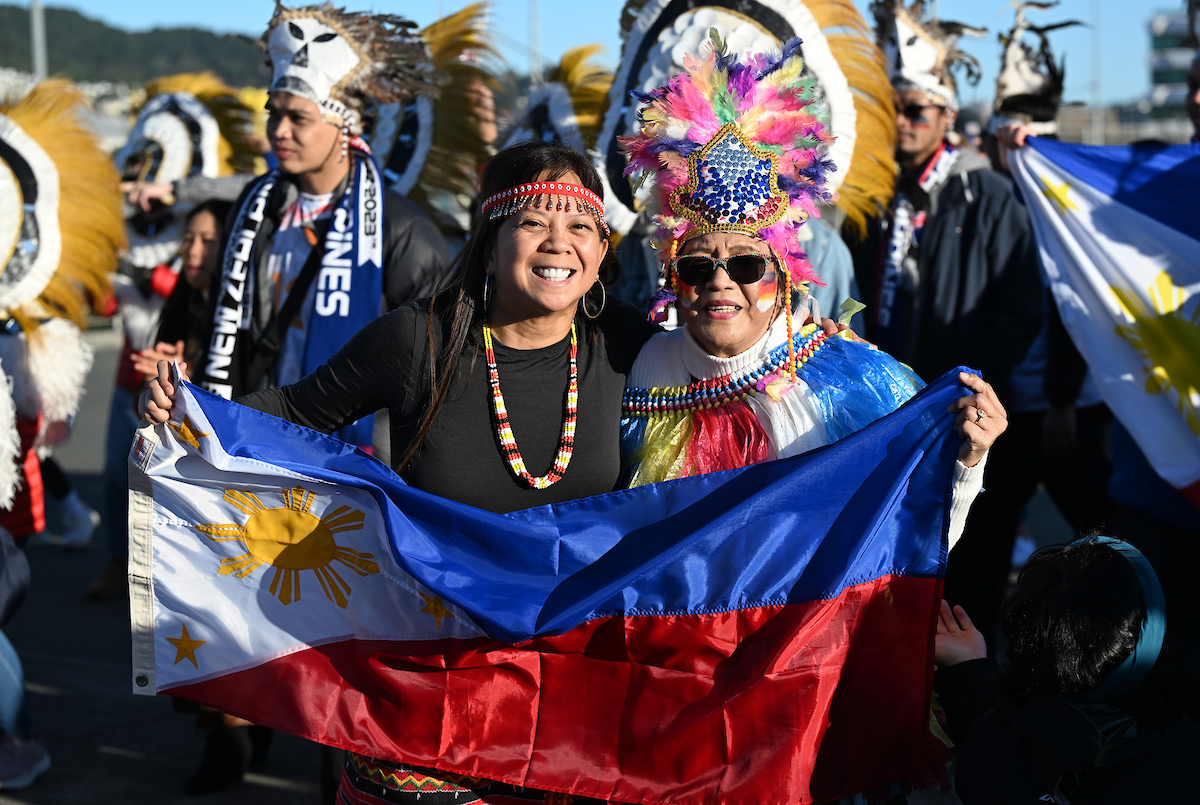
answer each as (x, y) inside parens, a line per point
(979, 414)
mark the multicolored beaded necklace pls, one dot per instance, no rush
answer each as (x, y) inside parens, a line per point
(721, 391)
(508, 442)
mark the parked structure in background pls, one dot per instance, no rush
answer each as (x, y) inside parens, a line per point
(1171, 54)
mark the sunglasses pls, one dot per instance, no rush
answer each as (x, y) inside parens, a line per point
(916, 111)
(744, 269)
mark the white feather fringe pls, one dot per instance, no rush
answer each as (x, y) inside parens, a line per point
(48, 371)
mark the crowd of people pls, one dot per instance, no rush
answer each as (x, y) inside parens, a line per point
(560, 331)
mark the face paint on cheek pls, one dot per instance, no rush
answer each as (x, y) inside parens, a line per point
(767, 291)
(684, 292)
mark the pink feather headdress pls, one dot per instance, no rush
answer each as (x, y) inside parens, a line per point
(733, 146)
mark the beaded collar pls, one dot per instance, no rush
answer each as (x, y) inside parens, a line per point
(720, 391)
(545, 195)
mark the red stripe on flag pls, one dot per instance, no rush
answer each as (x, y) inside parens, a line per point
(1192, 493)
(797, 703)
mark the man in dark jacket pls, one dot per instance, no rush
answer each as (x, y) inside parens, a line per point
(318, 247)
(950, 275)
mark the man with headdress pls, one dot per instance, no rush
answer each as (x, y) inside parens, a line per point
(854, 103)
(950, 274)
(318, 247)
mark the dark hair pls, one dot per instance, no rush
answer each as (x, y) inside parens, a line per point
(215, 207)
(457, 306)
(1075, 615)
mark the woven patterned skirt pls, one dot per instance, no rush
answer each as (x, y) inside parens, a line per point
(366, 781)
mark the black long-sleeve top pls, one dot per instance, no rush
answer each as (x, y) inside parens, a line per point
(386, 365)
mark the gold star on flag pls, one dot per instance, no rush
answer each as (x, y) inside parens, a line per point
(185, 647)
(1058, 194)
(436, 608)
(188, 433)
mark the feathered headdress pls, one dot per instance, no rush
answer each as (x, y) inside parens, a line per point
(342, 60)
(191, 124)
(567, 108)
(61, 204)
(255, 99)
(61, 217)
(430, 147)
(840, 56)
(922, 54)
(1030, 85)
(732, 145)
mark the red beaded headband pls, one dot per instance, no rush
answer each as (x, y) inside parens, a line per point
(545, 194)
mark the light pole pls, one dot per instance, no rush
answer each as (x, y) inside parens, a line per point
(1097, 86)
(37, 39)
(535, 56)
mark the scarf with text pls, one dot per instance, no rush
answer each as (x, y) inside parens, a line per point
(348, 286)
(898, 276)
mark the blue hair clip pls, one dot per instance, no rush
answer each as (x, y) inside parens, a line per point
(1132, 672)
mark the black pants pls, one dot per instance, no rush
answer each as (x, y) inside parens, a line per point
(977, 572)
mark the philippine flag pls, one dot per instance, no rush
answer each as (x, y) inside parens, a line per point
(1118, 229)
(762, 635)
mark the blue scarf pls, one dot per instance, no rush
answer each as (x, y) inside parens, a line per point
(348, 287)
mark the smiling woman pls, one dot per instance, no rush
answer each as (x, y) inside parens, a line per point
(504, 388)
(738, 384)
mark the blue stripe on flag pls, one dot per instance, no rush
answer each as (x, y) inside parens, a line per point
(805, 528)
(1159, 181)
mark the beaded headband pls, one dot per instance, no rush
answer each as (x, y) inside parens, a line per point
(545, 195)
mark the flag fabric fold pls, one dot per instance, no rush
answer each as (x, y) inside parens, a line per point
(762, 635)
(1118, 232)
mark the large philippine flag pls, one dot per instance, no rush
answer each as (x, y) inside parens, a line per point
(761, 635)
(1118, 228)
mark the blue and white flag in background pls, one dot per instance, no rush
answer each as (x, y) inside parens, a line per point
(1118, 229)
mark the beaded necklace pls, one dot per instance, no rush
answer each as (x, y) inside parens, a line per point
(508, 442)
(721, 391)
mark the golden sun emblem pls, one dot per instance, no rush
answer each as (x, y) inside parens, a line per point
(1168, 341)
(291, 539)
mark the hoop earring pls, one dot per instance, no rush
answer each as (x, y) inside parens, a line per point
(603, 302)
(487, 291)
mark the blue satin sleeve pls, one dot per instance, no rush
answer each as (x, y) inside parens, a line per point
(856, 384)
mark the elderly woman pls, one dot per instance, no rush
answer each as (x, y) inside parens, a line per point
(733, 152)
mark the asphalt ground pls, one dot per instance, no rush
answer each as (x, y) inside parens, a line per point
(108, 745)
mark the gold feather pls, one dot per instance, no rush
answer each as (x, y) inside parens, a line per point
(235, 149)
(867, 187)
(89, 202)
(457, 45)
(255, 100)
(588, 84)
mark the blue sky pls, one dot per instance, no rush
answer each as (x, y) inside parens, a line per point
(1124, 36)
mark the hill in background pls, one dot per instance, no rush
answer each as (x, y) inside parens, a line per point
(84, 49)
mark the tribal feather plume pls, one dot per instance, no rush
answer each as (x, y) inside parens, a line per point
(235, 148)
(458, 47)
(89, 230)
(734, 145)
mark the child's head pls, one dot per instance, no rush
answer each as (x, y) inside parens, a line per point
(1076, 616)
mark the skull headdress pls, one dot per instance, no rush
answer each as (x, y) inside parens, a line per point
(343, 60)
(922, 53)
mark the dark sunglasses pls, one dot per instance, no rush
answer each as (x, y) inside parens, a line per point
(916, 111)
(744, 269)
